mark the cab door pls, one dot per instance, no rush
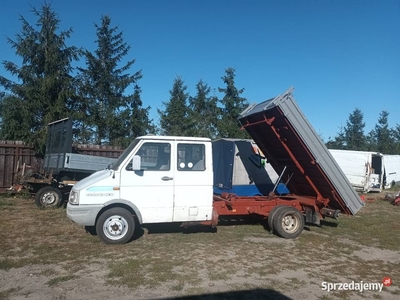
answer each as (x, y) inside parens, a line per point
(193, 182)
(151, 189)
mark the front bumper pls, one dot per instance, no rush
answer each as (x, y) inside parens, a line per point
(83, 215)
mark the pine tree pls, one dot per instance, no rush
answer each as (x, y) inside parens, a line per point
(104, 85)
(396, 136)
(232, 105)
(204, 112)
(174, 119)
(354, 131)
(137, 118)
(338, 142)
(383, 135)
(45, 87)
(370, 140)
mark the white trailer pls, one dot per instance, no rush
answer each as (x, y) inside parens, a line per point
(392, 170)
(364, 169)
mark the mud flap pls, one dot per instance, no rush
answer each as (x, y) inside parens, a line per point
(312, 217)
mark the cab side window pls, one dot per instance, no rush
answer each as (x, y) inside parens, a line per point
(154, 157)
(191, 157)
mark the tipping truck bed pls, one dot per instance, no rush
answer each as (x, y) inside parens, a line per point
(294, 149)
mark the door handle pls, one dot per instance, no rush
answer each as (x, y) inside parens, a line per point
(166, 178)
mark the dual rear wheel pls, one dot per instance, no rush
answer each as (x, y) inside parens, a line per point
(286, 221)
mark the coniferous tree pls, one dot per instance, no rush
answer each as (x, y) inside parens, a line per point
(370, 141)
(174, 119)
(338, 142)
(104, 85)
(232, 105)
(383, 135)
(204, 112)
(138, 121)
(396, 136)
(45, 87)
(354, 131)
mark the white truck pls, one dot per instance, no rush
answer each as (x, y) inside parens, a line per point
(364, 169)
(160, 179)
(392, 170)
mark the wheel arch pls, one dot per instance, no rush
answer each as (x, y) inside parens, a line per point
(129, 206)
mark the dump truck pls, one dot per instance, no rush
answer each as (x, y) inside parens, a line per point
(164, 179)
(62, 167)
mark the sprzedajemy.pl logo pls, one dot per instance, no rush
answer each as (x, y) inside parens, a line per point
(356, 286)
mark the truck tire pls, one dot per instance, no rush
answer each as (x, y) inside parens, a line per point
(48, 197)
(115, 226)
(271, 216)
(288, 222)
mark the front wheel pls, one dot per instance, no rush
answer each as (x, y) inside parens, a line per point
(115, 226)
(288, 222)
(48, 197)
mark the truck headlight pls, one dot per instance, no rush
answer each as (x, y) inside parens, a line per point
(73, 198)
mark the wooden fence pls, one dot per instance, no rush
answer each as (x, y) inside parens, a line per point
(14, 154)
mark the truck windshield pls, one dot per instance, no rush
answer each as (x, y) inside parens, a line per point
(115, 165)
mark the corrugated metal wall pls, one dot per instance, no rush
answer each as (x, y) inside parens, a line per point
(14, 154)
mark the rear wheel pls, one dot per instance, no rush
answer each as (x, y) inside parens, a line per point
(288, 222)
(271, 216)
(115, 226)
(48, 197)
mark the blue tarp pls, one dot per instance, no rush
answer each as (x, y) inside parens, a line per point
(248, 177)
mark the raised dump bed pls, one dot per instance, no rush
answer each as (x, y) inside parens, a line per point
(295, 150)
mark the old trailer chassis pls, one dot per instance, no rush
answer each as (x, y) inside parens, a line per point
(233, 205)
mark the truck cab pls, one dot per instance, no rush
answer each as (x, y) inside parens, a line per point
(155, 180)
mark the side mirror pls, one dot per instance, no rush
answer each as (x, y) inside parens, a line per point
(136, 163)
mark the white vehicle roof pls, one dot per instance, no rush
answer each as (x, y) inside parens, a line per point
(174, 138)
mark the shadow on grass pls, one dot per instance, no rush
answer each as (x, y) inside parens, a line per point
(176, 228)
(327, 223)
(254, 294)
(241, 220)
(139, 232)
(223, 221)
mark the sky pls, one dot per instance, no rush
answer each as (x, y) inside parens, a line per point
(338, 55)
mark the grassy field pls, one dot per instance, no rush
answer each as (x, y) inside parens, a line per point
(239, 256)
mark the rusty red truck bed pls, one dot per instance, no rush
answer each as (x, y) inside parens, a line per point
(294, 149)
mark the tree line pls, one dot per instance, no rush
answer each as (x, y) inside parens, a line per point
(381, 138)
(96, 96)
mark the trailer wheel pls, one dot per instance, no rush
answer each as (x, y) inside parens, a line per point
(115, 226)
(271, 216)
(48, 197)
(288, 222)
